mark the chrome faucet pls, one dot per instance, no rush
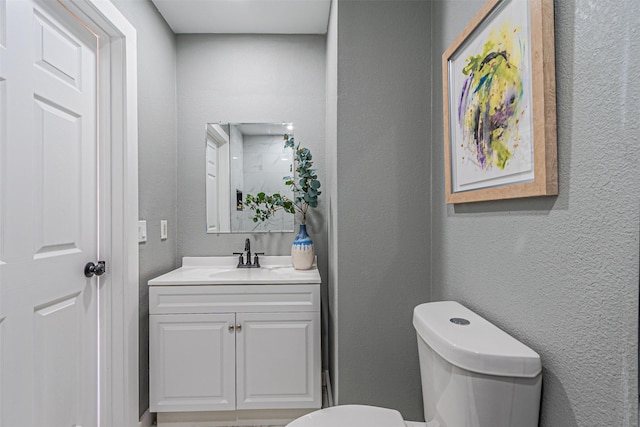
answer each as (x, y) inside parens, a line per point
(247, 249)
(247, 252)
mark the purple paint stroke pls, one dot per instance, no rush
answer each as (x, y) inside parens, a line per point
(484, 144)
(463, 97)
(478, 127)
(504, 112)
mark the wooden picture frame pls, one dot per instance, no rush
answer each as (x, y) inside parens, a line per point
(499, 104)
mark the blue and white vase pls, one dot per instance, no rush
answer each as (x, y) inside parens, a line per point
(302, 255)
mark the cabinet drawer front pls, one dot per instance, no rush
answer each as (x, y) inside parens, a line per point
(233, 298)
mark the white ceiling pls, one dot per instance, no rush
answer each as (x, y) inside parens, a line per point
(246, 16)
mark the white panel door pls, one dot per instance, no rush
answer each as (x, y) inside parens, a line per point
(48, 220)
(278, 360)
(217, 180)
(212, 197)
(192, 362)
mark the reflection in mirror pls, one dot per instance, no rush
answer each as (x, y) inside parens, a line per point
(241, 159)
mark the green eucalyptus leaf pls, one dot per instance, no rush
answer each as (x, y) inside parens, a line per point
(304, 183)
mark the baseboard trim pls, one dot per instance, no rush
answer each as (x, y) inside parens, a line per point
(238, 418)
(147, 419)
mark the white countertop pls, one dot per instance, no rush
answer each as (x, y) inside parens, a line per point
(222, 270)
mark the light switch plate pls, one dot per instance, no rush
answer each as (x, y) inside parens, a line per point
(142, 231)
(163, 229)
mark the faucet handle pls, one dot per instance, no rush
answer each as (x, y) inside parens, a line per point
(240, 258)
(256, 261)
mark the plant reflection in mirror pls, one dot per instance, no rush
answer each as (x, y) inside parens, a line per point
(304, 184)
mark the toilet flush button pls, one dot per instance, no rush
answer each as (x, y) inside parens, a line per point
(459, 321)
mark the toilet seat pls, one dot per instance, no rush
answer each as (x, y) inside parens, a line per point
(351, 416)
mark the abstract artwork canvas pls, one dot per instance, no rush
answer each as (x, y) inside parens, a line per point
(499, 98)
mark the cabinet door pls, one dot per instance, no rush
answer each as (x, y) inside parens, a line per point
(192, 362)
(278, 360)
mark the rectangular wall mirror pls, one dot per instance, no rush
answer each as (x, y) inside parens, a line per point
(241, 159)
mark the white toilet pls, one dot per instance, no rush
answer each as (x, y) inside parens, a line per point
(473, 375)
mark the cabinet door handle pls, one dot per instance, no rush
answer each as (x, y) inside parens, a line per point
(238, 327)
(231, 328)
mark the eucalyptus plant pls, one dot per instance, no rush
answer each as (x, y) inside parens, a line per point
(304, 185)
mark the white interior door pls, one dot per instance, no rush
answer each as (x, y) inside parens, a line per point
(217, 181)
(213, 198)
(48, 222)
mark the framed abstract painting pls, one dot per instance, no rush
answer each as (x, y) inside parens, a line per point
(499, 104)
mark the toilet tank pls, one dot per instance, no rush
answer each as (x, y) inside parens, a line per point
(473, 373)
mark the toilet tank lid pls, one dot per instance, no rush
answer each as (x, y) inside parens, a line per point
(470, 342)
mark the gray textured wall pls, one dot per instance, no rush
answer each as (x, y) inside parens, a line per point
(561, 273)
(157, 156)
(331, 306)
(567, 279)
(383, 195)
(247, 78)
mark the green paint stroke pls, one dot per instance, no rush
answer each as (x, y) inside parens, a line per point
(491, 99)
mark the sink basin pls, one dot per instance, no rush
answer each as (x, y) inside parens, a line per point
(223, 271)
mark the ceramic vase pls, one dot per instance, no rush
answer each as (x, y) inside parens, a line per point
(302, 255)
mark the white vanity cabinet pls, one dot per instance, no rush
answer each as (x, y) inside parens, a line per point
(234, 347)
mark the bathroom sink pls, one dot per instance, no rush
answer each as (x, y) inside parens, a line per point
(223, 271)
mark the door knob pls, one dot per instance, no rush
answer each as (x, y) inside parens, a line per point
(238, 327)
(92, 269)
(231, 328)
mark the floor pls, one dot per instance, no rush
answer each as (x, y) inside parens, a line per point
(325, 404)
